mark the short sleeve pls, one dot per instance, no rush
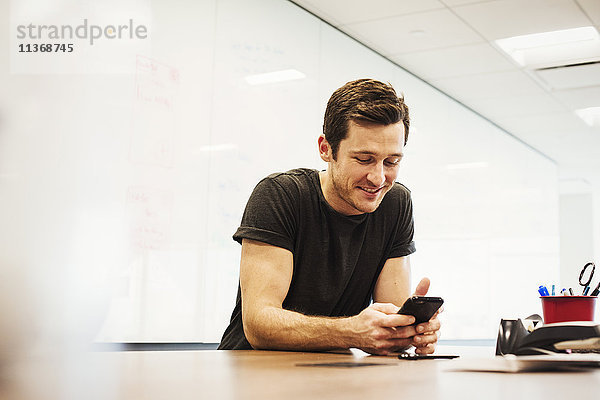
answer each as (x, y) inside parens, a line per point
(404, 244)
(269, 216)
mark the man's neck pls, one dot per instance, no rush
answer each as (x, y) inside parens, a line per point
(324, 181)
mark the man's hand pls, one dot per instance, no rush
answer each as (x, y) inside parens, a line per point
(381, 330)
(427, 332)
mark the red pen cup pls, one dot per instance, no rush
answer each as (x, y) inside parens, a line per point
(568, 308)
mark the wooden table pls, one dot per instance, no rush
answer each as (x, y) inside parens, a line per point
(181, 375)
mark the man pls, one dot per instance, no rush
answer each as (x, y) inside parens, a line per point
(317, 247)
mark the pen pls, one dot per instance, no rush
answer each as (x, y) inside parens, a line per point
(543, 291)
(553, 286)
(586, 290)
(596, 291)
(564, 292)
(571, 292)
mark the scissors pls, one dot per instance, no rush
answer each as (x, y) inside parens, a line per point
(586, 284)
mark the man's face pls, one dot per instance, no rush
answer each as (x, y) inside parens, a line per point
(366, 166)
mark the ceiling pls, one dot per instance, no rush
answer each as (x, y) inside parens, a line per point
(450, 44)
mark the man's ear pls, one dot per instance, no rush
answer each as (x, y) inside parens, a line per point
(325, 149)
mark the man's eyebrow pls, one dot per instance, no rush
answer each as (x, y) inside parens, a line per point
(370, 153)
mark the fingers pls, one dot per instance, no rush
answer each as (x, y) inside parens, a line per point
(386, 308)
(425, 339)
(401, 332)
(396, 320)
(425, 343)
(426, 328)
(385, 331)
(422, 287)
(388, 346)
(429, 349)
(402, 338)
(432, 325)
(391, 319)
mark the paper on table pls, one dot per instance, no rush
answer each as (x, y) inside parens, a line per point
(512, 363)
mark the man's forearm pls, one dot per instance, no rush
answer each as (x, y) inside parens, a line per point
(279, 329)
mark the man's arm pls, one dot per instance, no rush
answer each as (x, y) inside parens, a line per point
(393, 286)
(265, 277)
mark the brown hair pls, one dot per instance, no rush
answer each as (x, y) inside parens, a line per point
(363, 100)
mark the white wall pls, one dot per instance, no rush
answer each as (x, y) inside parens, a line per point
(596, 219)
(122, 209)
(576, 233)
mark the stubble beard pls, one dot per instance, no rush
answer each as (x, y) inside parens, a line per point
(345, 194)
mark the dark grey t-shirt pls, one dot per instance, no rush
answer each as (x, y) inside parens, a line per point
(337, 258)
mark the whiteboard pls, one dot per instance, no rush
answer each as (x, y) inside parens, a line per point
(121, 189)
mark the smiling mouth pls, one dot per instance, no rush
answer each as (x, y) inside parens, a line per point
(371, 191)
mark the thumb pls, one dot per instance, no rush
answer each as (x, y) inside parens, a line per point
(422, 287)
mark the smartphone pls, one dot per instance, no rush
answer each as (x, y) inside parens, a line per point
(421, 307)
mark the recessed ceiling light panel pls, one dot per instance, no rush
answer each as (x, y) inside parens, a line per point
(557, 47)
(590, 116)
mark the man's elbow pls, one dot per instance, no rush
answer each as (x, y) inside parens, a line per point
(253, 337)
(255, 332)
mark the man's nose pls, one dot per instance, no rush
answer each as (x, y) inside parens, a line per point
(376, 175)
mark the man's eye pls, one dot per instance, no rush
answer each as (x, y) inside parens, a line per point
(363, 160)
(394, 161)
